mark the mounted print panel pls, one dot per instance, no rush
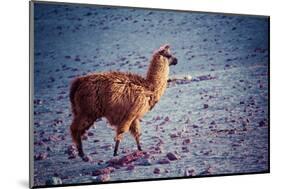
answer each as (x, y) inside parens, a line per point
(124, 94)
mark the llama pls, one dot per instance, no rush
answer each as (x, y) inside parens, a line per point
(122, 98)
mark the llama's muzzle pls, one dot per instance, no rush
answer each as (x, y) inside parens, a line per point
(174, 61)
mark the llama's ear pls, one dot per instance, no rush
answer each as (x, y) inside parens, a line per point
(164, 48)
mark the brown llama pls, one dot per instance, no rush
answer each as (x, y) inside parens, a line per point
(122, 98)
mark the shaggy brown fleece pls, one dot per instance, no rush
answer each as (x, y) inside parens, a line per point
(122, 98)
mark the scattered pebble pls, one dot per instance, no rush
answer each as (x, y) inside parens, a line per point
(103, 178)
(157, 170)
(167, 119)
(71, 151)
(130, 167)
(103, 171)
(213, 123)
(262, 123)
(195, 126)
(145, 162)
(163, 161)
(208, 171)
(90, 133)
(172, 157)
(54, 181)
(186, 141)
(174, 135)
(127, 159)
(157, 118)
(189, 172)
(41, 156)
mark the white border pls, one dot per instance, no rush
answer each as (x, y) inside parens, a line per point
(14, 92)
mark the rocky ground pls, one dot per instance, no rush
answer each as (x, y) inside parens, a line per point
(212, 119)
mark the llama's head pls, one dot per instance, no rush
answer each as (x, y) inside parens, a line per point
(165, 52)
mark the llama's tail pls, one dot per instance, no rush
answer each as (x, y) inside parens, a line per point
(74, 86)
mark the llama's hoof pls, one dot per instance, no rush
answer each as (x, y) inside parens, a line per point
(81, 154)
(86, 158)
(115, 154)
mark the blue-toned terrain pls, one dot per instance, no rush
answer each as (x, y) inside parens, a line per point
(212, 119)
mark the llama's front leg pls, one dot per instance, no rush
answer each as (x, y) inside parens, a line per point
(117, 139)
(136, 132)
(116, 148)
(124, 127)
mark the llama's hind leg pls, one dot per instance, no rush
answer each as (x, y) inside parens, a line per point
(78, 128)
(136, 132)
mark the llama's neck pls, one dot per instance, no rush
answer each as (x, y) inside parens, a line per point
(157, 75)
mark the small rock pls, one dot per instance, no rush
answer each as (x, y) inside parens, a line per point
(195, 126)
(213, 123)
(41, 156)
(130, 167)
(77, 59)
(172, 157)
(38, 102)
(186, 141)
(163, 161)
(174, 135)
(104, 171)
(157, 118)
(167, 119)
(90, 134)
(157, 171)
(244, 123)
(106, 147)
(189, 172)
(145, 162)
(262, 123)
(54, 181)
(48, 149)
(205, 106)
(232, 131)
(88, 14)
(208, 171)
(127, 159)
(71, 151)
(103, 178)
(184, 149)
